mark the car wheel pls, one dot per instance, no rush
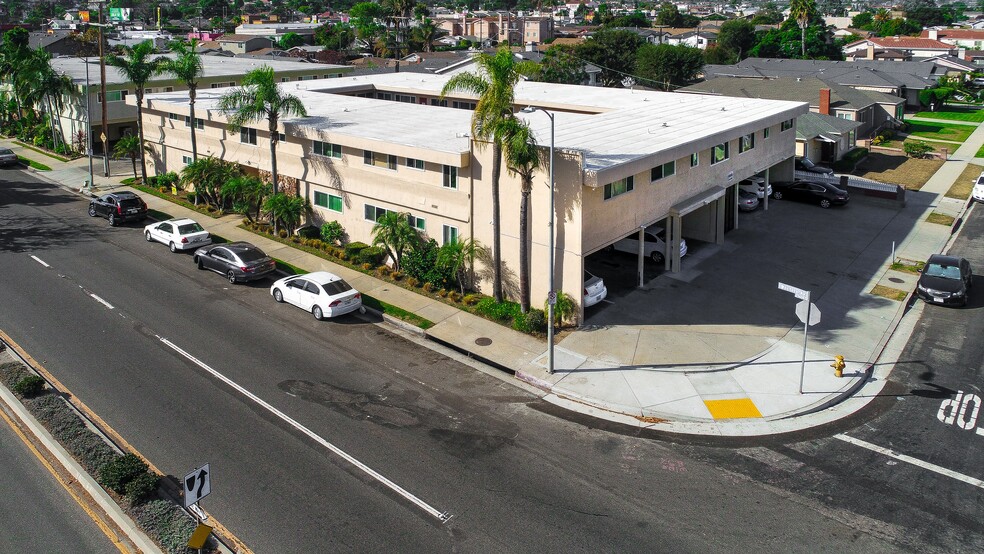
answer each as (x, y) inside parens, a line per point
(824, 203)
(112, 220)
(231, 276)
(317, 313)
(171, 246)
(657, 257)
(277, 295)
(147, 236)
(92, 211)
(198, 262)
(777, 195)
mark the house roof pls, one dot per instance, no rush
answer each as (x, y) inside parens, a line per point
(42, 40)
(799, 89)
(905, 43)
(812, 125)
(239, 38)
(857, 73)
(972, 34)
(613, 129)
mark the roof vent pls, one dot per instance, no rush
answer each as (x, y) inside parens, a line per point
(665, 125)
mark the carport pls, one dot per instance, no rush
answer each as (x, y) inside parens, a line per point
(705, 213)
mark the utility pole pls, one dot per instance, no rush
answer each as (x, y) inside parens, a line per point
(102, 91)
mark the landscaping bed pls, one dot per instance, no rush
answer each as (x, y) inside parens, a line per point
(897, 169)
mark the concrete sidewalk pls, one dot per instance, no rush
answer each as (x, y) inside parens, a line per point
(737, 380)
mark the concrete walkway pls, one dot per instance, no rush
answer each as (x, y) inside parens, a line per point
(681, 379)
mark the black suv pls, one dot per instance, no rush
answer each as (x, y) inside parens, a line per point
(118, 207)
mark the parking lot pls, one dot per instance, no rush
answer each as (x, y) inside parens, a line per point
(736, 283)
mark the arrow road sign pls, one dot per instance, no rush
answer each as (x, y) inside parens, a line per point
(814, 313)
(798, 293)
(197, 485)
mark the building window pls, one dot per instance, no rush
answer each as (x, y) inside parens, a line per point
(387, 161)
(406, 98)
(384, 96)
(619, 187)
(373, 213)
(851, 140)
(415, 164)
(417, 223)
(199, 122)
(330, 201)
(247, 135)
(695, 159)
(847, 116)
(285, 79)
(173, 116)
(281, 137)
(720, 153)
(436, 102)
(449, 234)
(765, 133)
(327, 149)
(112, 96)
(660, 171)
(463, 105)
(786, 125)
(450, 177)
(168, 89)
(186, 160)
(746, 143)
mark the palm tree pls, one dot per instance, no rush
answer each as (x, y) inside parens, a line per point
(393, 232)
(261, 98)
(285, 210)
(129, 147)
(802, 11)
(523, 157)
(246, 193)
(425, 32)
(138, 67)
(455, 254)
(208, 175)
(187, 67)
(40, 86)
(494, 84)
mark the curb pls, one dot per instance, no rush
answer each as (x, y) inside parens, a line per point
(95, 492)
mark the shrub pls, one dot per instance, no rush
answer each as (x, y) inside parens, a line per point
(397, 275)
(413, 282)
(352, 249)
(372, 255)
(29, 386)
(443, 293)
(532, 322)
(916, 148)
(383, 270)
(471, 299)
(455, 296)
(367, 266)
(422, 263)
(64, 424)
(316, 243)
(309, 232)
(332, 232)
(282, 233)
(294, 238)
(116, 474)
(141, 487)
(167, 523)
(428, 287)
(564, 309)
(190, 197)
(497, 311)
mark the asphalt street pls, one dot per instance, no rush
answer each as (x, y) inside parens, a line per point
(93, 303)
(37, 514)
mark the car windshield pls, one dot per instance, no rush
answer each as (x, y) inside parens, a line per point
(336, 287)
(944, 271)
(6, 151)
(251, 254)
(807, 162)
(189, 228)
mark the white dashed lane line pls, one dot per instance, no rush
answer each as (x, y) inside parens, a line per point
(40, 261)
(914, 461)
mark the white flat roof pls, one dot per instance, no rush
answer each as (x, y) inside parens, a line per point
(616, 126)
(213, 67)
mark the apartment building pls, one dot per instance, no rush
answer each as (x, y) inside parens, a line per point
(388, 142)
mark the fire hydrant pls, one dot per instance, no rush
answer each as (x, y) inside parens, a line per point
(838, 366)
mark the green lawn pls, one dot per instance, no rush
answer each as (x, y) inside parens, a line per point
(973, 115)
(940, 131)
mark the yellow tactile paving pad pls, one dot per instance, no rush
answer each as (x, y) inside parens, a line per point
(735, 408)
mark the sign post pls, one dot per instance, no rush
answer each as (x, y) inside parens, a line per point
(809, 314)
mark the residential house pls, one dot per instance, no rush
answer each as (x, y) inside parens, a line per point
(56, 43)
(241, 44)
(911, 46)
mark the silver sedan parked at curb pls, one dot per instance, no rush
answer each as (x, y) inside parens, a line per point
(178, 234)
(321, 293)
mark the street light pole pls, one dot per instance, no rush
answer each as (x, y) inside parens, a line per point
(102, 91)
(88, 125)
(552, 294)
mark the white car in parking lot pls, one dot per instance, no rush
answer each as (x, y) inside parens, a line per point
(756, 186)
(978, 193)
(653, 247)
(178, 234)
(594, 289)
(321, 293)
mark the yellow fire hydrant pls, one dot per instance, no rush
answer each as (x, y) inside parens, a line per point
(838, 366)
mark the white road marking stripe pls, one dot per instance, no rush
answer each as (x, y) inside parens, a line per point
(442, 516)
(40, 261)
(101, 301)
(914, 461)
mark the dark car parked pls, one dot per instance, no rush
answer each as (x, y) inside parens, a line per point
(806, 164)
(118, 207)
(8, 158)
(238, 261)
(823, 194)
(945, 280)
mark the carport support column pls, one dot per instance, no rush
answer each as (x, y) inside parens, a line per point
(676, 225)
(719, 208)
(642, 253)
(767, 189)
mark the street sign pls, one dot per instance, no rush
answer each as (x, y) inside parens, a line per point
(199, 537)
(552, 297)
(197, 485)
(798, 293)
(814, 312)
(102, 137)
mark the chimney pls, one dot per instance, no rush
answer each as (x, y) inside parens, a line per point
(825, 101)
(871, 51)
(934, 34)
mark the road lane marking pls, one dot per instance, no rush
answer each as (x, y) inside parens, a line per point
(101, 301)
(914, 461)
(441, 516)
(40, 261)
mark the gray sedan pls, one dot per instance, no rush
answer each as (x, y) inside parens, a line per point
(8, 158)
(238, 261)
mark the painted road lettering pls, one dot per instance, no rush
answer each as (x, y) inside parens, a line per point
(962, 410)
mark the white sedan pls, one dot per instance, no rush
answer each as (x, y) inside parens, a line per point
(178, 234)
(321, 293)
